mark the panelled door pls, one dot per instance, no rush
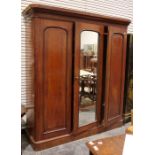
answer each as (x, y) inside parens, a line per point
(54, 77)
(88, 61)
(115, 72)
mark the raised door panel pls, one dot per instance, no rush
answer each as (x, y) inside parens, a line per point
(54, 78)
(115, 74)
(54, 72)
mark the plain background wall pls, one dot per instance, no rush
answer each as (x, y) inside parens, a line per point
(117, 8)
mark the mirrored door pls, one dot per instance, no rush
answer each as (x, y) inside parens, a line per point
(88, 77)
(88, 74)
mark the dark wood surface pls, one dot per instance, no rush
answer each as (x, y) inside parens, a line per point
(56, 86)
(107, 146)
(53, 77)
(37, 8)
(115, 74)
(80, 26)
(56, 45)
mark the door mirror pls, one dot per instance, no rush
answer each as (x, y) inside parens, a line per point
(88, 77)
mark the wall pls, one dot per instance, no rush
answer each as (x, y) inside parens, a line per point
(117, 8)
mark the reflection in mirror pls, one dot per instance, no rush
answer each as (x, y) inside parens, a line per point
(88, 77)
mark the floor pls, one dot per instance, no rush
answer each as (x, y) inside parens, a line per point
(72, 148)
(86, 117)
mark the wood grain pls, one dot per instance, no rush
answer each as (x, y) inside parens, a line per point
(115, 73)
(56, 51)
(107, 146)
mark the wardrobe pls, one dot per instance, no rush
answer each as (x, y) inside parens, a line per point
(78, 74)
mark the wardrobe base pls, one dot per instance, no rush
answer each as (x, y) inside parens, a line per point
(51, 142)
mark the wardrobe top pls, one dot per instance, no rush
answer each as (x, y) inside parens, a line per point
(38, 8)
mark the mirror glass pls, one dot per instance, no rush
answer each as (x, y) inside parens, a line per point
(88, 77)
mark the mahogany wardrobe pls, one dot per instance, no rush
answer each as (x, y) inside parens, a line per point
(78, 74)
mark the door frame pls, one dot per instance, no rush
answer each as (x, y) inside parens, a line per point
(99, 28)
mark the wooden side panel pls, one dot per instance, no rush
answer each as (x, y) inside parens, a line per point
(29, 77)
(115, 74)
(54, 72)
(53, 78)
